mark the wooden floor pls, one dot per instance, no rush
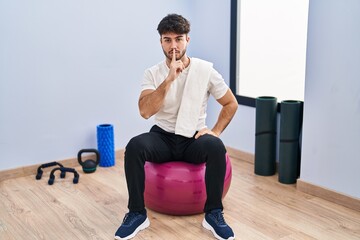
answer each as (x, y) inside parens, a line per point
(255, 207)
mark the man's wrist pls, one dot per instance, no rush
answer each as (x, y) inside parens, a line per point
(217, 133)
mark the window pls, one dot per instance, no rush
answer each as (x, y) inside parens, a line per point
(268, 49)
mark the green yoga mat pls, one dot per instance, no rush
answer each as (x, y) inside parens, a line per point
(289, 150)
(265, 136)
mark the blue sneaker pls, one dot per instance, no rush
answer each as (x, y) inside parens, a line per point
(133, 223)
(215, 222)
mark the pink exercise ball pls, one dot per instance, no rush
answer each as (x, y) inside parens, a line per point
(178, 188)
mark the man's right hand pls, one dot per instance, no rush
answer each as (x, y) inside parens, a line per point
(176, 67)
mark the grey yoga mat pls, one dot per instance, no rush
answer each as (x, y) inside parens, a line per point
(289, 150)
(265, 136)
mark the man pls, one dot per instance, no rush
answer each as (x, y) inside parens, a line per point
(175, 92)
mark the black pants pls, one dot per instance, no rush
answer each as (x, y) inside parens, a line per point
(160, 146)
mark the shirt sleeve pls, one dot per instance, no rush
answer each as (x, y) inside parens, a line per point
(217, 87)
(148, 81)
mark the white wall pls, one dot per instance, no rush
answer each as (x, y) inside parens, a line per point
(67, 66)
(331, 128)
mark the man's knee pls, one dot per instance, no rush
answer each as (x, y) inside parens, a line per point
(140, 142)
(212, 144)
(136, 147)
(134, 143)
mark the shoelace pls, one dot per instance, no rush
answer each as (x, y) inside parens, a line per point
(219, 218)
(129, 218)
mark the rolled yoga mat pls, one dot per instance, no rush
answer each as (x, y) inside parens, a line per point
(105, 143)
(289, 151)
(265, 136)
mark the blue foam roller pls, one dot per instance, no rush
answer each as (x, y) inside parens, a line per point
(105, 143)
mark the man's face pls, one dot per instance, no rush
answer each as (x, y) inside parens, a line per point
(171, 41)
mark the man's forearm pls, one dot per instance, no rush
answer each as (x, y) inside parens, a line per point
(150, 103)
(226, 114)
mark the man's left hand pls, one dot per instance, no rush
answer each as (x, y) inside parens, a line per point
(205, 131)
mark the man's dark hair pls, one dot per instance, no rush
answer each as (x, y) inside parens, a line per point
(174, 23)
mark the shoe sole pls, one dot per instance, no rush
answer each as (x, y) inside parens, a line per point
(207, 226)
(144, 225)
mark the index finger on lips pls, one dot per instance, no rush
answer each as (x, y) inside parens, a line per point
(174, 55)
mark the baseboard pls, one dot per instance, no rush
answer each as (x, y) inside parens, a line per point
(244, 156)
(32, 169)
(72, 162)
(329, 195)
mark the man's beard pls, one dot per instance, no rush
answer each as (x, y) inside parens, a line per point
(170, 56)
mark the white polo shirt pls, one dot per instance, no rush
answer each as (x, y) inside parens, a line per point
(166, 117)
